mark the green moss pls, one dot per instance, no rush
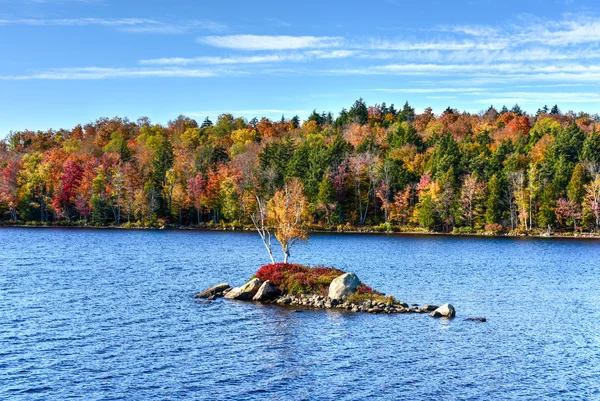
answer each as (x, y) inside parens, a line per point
(359, 298)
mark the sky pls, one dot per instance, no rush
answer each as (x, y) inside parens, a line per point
(69, 62)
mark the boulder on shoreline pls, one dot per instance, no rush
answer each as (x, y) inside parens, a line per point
(214, 291)
(342, 286)
(266, 292)
(445, 310)
(245, 292)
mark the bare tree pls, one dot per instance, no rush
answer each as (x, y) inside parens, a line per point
(259, 219)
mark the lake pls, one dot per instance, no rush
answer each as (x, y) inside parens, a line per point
(109, 315)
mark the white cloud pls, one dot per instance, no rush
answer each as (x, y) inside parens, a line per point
(134, 25)
(429, 90)
(445, 46)
(79, 21)
(333, 54)
(471, 30)
(92, 73)
(272, 58)
(571, 30)
(481, 70)
(258, 42)
(264, 58)
(543, 97)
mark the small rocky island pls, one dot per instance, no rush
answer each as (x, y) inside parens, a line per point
(297, 285)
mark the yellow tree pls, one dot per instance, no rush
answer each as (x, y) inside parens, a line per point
(593, 198)
(287, 214)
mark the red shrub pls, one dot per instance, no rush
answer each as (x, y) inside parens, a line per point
(364, 289)
(277, 272)
(298, 279)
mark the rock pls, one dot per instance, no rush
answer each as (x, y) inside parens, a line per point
(203, 302)
(445, 310)
(217, 289)
(266, 292)
(476, 319)
(245, 292)
(343, 286)
(428, 308)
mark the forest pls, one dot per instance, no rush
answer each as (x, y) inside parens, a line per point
(370, 167)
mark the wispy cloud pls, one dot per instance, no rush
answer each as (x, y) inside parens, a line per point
(58, 1)
(264, 58)
(542, 97)
(79, 21)
(471, 30)
(571, 71)
(92, 73)
(429, 90)
(445, 46)
(572, 29)
(272, 58)
(261, 42)
(476, 55)
(135, 25)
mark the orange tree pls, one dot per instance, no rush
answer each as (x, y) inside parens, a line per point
(288, 214)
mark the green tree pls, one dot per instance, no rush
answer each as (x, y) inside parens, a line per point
(427, 214)
(493, 211)
(576, 189)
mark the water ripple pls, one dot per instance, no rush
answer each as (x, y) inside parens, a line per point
(108, 315)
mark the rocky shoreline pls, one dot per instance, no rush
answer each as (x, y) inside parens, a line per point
(339, 297)
(356, 231)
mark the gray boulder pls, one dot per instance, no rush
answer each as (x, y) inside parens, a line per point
(428, 308)
(214, 291)
(245, 292)
(266, 292)
(445, 310)
(476, 319)
(343, 286)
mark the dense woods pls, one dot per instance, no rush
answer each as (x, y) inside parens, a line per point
(369, 166)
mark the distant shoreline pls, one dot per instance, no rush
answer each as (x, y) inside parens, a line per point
(353, 231)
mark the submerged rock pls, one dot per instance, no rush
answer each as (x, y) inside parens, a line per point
(266, 292)
(445, 310)
(215, 291)
(245, 292)
(476, 319)
(343, 286)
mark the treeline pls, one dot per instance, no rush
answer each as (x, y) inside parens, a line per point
(367, 166)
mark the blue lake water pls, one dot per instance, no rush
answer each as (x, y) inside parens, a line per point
(109, 315)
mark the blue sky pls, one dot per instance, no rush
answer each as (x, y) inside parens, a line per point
(66, 62)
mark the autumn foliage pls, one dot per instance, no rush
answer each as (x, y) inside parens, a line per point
(298, 279)
(375, 166)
